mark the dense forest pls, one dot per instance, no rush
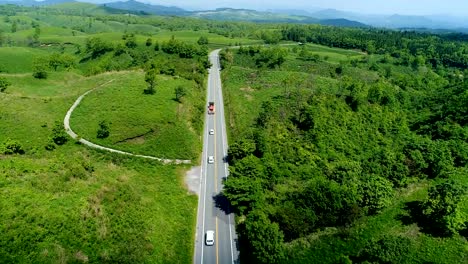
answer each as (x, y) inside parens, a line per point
(336, 142)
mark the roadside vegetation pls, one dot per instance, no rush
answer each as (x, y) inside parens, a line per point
(63, 202)
(348, 156)
(350, 148)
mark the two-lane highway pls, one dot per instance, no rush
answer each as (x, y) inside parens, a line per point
(213, 213)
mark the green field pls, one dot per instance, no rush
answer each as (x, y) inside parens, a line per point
(17, 59)
(75, 204)
(150, 125)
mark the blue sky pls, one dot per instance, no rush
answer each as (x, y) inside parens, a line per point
(406, 7)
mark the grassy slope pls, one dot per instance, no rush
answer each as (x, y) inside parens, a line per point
(53, 209)
(144, 124)
(244, 91)
(17, 59)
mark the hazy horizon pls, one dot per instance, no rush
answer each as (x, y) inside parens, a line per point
(402, 7)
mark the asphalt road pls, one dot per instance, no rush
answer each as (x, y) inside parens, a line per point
(213, 212)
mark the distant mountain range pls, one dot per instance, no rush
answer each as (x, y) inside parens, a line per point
(132, 5)
(34, 3)
(231, 14)
(390, 21)
(330, 17)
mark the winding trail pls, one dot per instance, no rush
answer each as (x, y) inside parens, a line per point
(66, 124)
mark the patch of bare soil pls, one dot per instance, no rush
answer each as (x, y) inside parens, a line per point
(192, 180)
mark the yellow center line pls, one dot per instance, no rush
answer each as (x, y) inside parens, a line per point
(216, 178)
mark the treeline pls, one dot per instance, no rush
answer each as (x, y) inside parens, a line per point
(263, 57)
(190, 61)
(172, 23)
(437, 50)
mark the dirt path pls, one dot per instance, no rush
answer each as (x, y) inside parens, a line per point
(66, 124)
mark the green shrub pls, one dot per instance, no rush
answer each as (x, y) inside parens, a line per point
(443, 207)
(103, 130)
(4, 83)
(389, 249)
(59, 136)
(12, 147)
(50, 145)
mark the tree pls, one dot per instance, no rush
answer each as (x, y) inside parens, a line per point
(2, 38)
(156, 46)
(59, 136)
(103, 130)
(271, 37)
(131, 42)
(149, 42)
(240, 150)
(14, 27)
(68, 61)
(203, 40)
(339, 69)
(243, 193)
(265, 238)
(226, 58)
(150, 79)
(442, 207)
(37, 33)
(376, 192)
(270, 58)
(55, 61)
(249, 166)
(180, 92)
(4, 83)
(40, 67)
(97, 47)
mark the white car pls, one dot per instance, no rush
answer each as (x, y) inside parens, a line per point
(209, 238)
(211, 132)
(210, 159)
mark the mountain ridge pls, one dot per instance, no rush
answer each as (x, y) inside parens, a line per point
(330, 16)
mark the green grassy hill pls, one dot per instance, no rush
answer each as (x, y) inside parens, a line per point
(67, 202)
(75, 204)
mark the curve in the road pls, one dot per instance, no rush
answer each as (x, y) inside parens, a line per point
(66, 124)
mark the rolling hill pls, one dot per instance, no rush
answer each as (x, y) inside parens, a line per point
(132, 5)
(223, 14)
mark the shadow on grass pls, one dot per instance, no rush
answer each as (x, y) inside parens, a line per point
(222, 203)
(415, 215)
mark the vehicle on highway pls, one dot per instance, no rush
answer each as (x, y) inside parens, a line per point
(211, 132)
(209, 238)
(210, 159)
(211, 108)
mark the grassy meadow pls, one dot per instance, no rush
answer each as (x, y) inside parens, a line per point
(72, 204)
(143, 124)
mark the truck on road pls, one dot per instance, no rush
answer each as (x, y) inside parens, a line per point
(211, 108)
